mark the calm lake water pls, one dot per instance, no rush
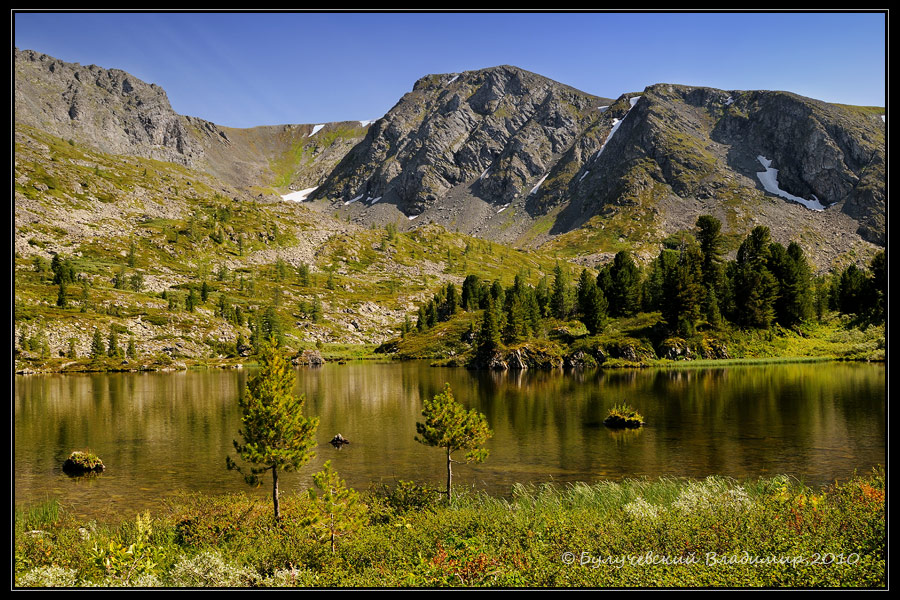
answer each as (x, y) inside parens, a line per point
(159, 433)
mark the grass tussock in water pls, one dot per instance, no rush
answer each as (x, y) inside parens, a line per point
(668, 532)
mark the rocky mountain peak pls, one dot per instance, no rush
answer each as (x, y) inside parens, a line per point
(493, 132)
(106, 108)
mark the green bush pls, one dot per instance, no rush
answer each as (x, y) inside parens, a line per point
(623, 416)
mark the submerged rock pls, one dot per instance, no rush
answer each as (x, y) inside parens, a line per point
(338, 441)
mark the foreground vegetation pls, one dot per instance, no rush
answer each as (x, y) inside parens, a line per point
(713, 532)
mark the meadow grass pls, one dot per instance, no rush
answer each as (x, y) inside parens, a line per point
(668, 532)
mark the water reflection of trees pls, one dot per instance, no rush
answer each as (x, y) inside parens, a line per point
(735, 421)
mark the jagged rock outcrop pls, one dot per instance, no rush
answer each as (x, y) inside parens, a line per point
(105, 108)
(705, 144)
(308, 358)
(498, 131)
(117, 113)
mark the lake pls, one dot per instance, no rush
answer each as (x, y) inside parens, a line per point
(159, 433)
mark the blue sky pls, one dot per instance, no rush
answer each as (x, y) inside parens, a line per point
(247, 69)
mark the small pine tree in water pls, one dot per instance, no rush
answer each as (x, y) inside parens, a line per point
(450, 426)
(276, 436)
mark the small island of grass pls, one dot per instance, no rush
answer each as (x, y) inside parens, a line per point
(83, 462)
(623, 416)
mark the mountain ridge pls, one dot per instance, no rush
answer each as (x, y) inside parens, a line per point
(511, 155)
(120, 114)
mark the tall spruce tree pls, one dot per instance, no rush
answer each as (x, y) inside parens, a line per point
(471, 293)
(624, 292)
(878, 287)
(489, 336)
(755, 288)
(112, 345)
(683, 285)
(595, 309)
(515, 328)
(850, 289)
(98, 349)
(61, 300)
(712, 246)
(794, 303)
(561, 294)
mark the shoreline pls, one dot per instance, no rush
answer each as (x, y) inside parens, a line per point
(69, 367)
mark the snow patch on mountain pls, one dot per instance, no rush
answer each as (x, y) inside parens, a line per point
(769, 180)
(616, 123)
(535, 188)
(299, 196)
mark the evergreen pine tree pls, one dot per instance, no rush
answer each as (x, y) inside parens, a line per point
(339, 509)
(112, 345)
(406, 327)
(515, 328)
(451, 300)
(316, 310)
(684, 290)
(421, 320)
(61, 300)
(85, 300)
(191, 301)
(431, 315)
(119, 279)
(624, 285)
(712, 246)
(584, 282)
(489, 336)
(450, 426)
(561, 295)
(755, 288)
(595, 309)
(878, 287)
(303, 274)
(542, 296)
(276, 437)
(272, 327)
(796, 302)
(98, 349)
(471, 293)
(850, 288)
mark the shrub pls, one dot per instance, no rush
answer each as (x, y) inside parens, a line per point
(51, 576)
(209, 569)
(83, 462)
(623, 416)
